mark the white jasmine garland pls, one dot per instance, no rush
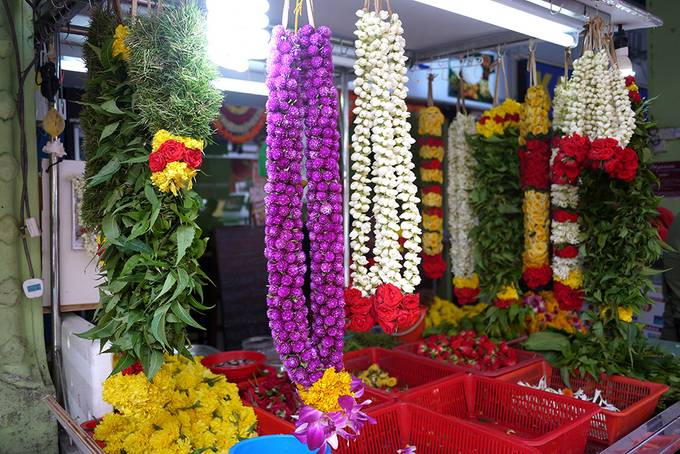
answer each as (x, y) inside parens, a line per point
(382, 128)
(461, 219)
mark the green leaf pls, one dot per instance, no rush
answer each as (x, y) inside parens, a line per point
(110, 228)
(183, 315)
(547, 341)
(125, 361)
(151, 196)
(155, 363)
(108, 130)
(167, 285)
(185, 236)
(158, 324)
(111, 107)
(182, 283)
(130, 264)
(105, 173)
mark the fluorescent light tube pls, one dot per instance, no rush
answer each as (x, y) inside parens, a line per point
(250, 87)
(75, 64)
(504, 16)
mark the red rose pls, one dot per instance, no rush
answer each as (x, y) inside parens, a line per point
(483, 120)
(603, 149)
(466, 295)
(567, 252)
(537, 146)
(502, 303)
(569, 299)
(434, 266)
(537, 277)
(433, 188)
(172, 150)
(360, 322)
(356, 303)
(193, 158)
(565, 216)
(634, 97)
(623, 165)
(135, 369)
(565, 170)
(431, 164)
(157, 161)
(434, 211)
(630, 80)
(411, 302)
(498, 119)
(406, 319)
(575, 148)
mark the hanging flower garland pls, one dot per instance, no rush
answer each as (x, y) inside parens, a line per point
(239, 124)
(597, 121)
(174, 160)
(303, 100)
(382, 131)
(461, 163)
(497, 200)
(431, 153)
(534, 157)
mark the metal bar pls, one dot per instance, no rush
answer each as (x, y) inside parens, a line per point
(344, 102)
(54, 277)
(83, 441)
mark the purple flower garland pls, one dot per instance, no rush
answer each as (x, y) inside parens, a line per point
(302, 97)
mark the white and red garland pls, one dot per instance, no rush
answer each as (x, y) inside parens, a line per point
(461, 218)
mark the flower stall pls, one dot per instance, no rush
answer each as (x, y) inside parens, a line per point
(453, 260)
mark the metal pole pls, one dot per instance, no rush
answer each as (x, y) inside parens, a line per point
(55, 303)
(344, 100)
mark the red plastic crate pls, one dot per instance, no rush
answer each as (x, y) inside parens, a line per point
(636, 399)
(407, 369)
(401, 424)
(524, 358)
(549, 422)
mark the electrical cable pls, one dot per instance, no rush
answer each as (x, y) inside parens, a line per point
(25, 207)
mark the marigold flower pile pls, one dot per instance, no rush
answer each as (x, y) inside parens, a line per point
(431, 153)
(184, 409)
(376, 377)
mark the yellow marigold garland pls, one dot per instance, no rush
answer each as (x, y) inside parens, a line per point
(430, 121)
(176, 175)
(324, 393)
(174, 160)
(534, 115)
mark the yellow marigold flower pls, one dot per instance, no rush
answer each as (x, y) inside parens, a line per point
(430, 152)
(625, 314)
(508, 292)
(176, 175)
(430, 121)
(163, 135)
(432, 175)
(432, 199)
(508, 112)
(466, 282)
(431, 222)
(432, 243)
(119, 47)
(324, 393)
(573, 280)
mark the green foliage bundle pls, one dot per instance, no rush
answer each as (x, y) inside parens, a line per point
(171, 72)
(497, 202)
(622, 244)
(151, 240)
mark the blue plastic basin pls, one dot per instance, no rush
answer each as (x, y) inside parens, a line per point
(278, 444)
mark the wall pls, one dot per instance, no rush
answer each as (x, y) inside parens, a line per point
(26, 425)
(663, 78)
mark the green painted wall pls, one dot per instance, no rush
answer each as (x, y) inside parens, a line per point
(664, 78)
(26, 425)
